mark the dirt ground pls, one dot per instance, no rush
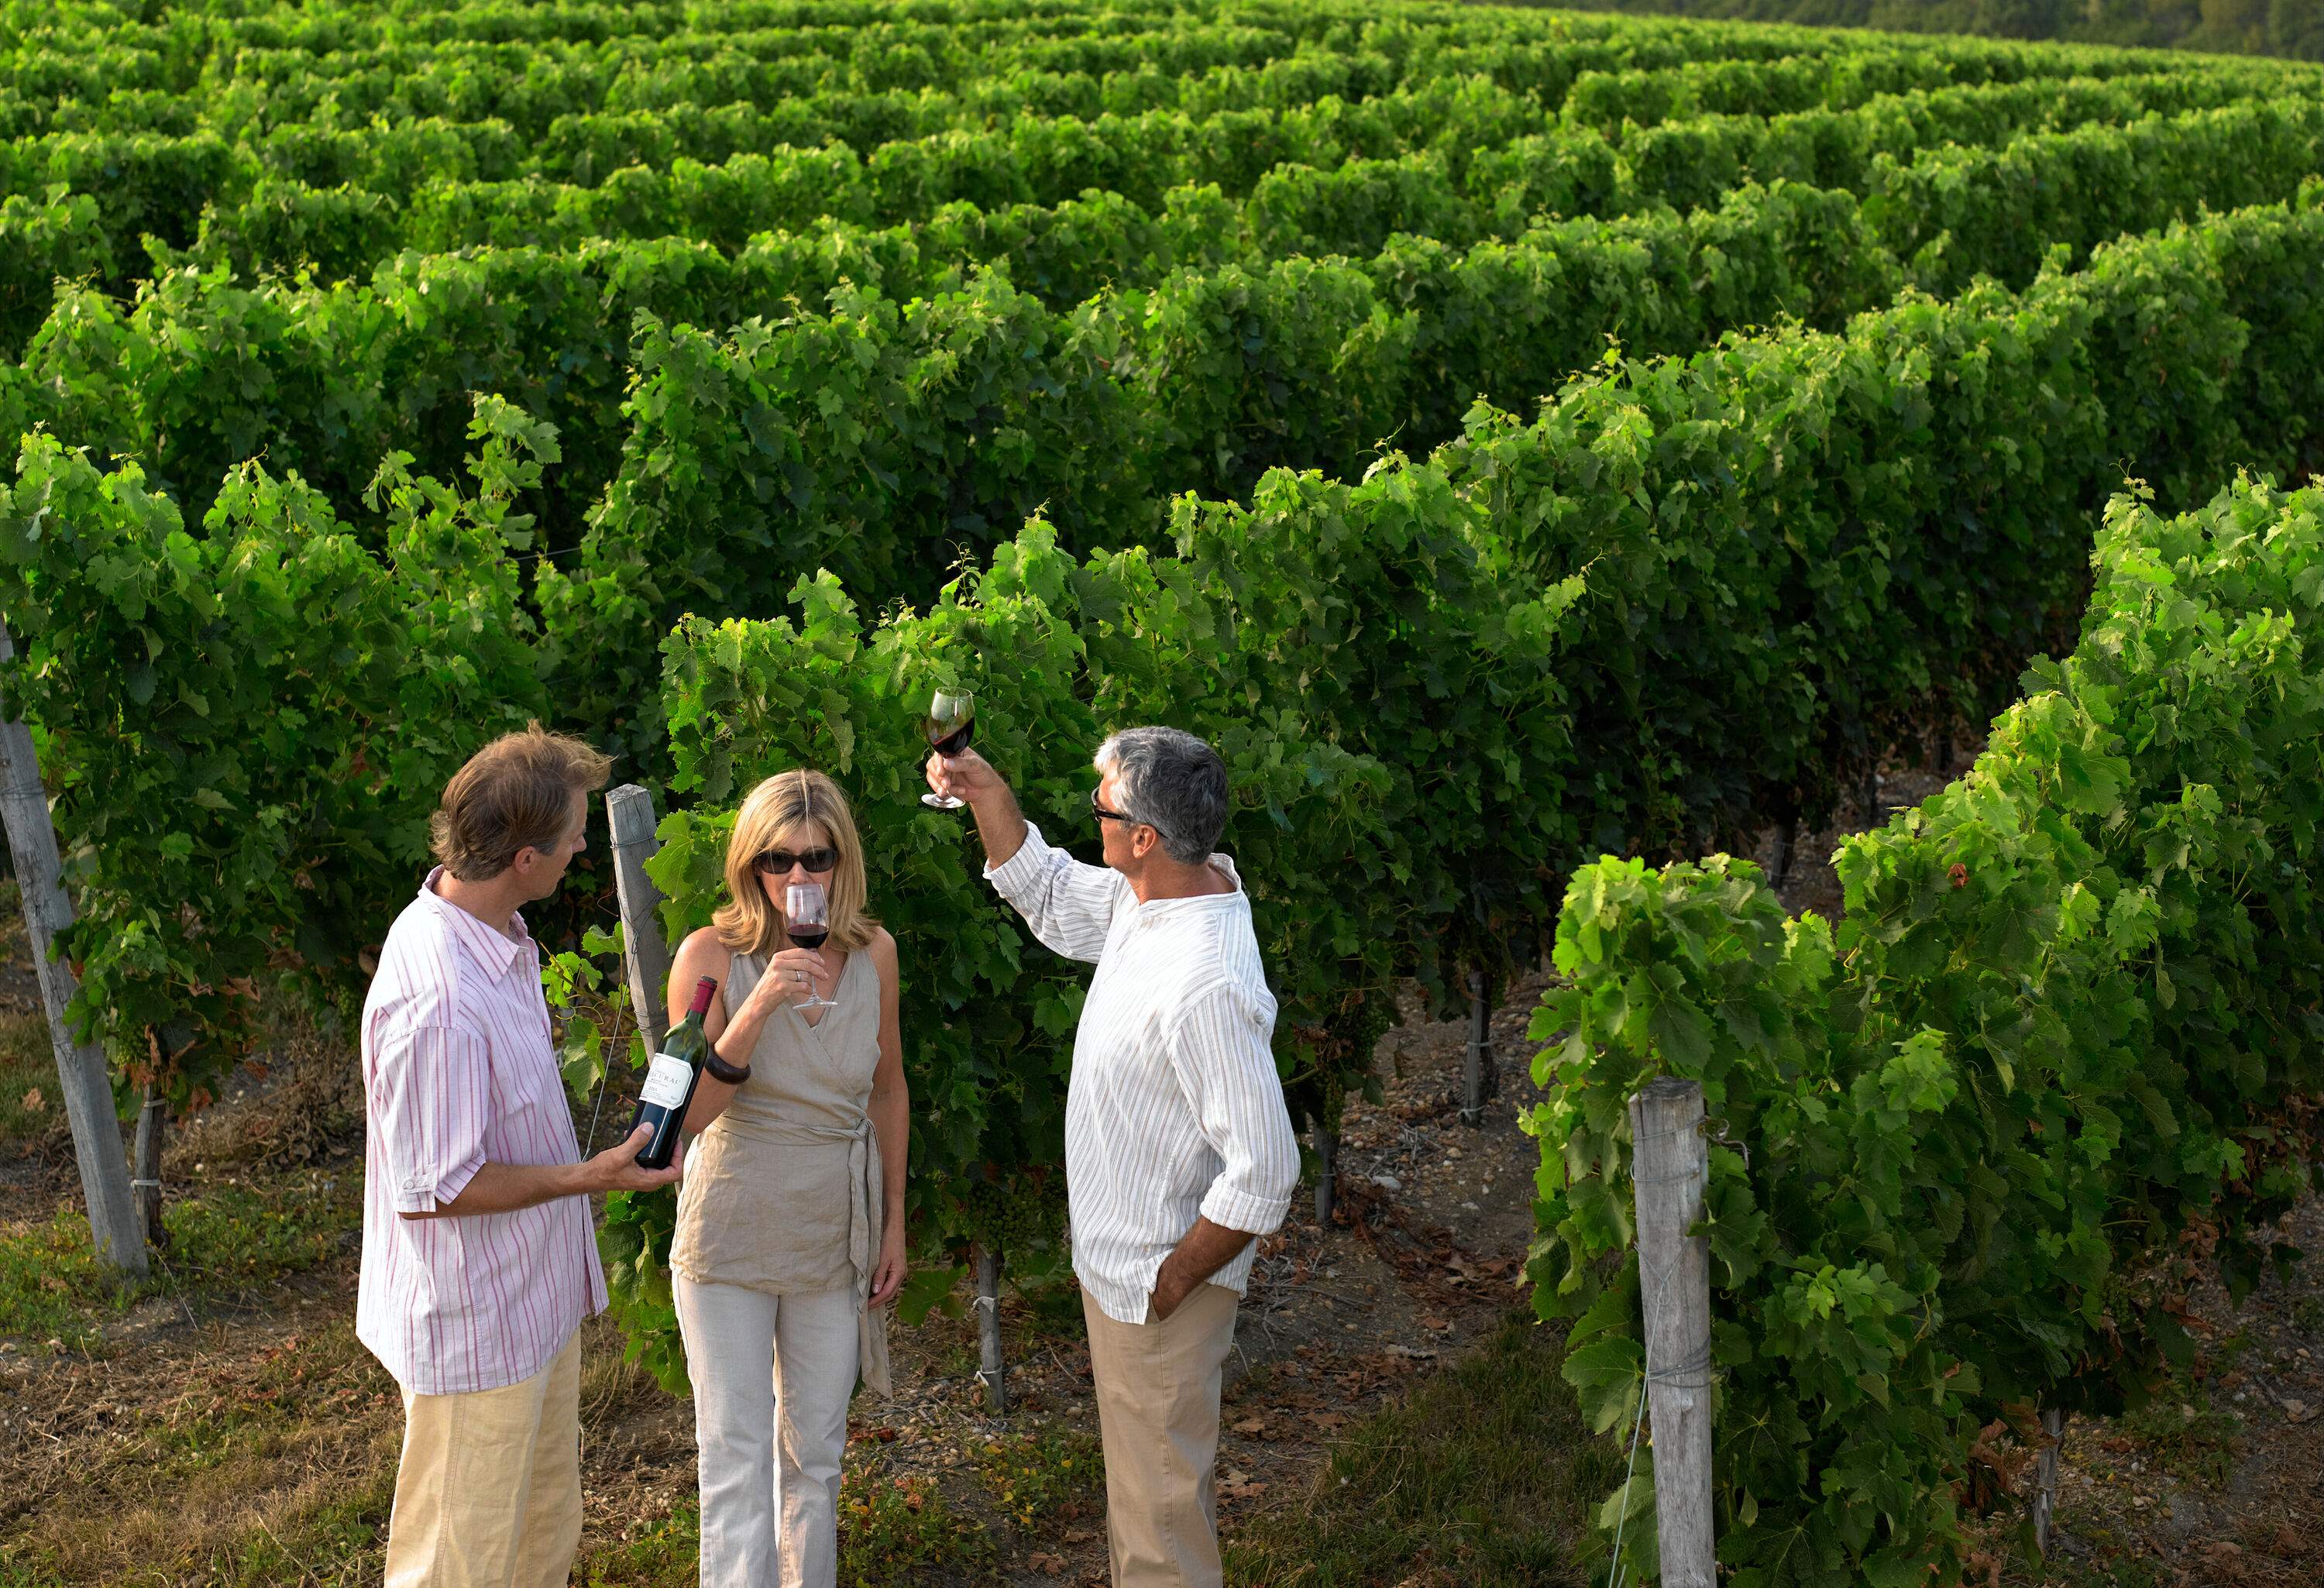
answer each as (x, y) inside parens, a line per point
(1422, 1258)
(244, 1436)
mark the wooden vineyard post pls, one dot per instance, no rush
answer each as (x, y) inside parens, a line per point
(645, 956)
(1477, 1060)
(1670, 1167)
(1787, 838)
(1327, 1172)
(80, 1068)
(991, 1368)
(145, 1181)
(2045, 1477)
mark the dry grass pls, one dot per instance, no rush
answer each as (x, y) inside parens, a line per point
(1484, 1477)
(32, 1114)
(227, 1469)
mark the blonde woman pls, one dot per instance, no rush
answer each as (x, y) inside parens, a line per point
(790, 1225)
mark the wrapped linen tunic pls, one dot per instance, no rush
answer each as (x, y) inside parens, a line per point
(783, 1193)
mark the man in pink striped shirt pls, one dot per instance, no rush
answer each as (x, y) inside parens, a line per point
(479, 1262)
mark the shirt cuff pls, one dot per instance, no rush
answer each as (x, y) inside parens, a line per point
(1236, 1209)
(417, 1193)
(1020, 868)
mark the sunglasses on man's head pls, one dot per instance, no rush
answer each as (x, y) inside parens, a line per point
(776, 862)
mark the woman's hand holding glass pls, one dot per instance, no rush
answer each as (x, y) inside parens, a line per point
(791, 976)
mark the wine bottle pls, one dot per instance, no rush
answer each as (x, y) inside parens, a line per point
(670, 1080)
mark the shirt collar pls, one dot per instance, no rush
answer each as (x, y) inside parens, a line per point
(498, 950)
(1238, 899)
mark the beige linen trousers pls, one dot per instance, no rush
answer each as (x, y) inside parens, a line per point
(1158, 1406)
(488, 1494)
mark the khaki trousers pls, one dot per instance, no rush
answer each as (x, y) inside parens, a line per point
(489, 1492)
(1157, 1407)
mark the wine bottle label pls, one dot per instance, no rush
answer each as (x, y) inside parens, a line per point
(667, 1079)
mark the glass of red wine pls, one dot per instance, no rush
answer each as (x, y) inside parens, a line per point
(950, 725)
(806, 922)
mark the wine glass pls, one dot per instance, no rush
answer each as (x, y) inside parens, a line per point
(806, 922)
(950, 725)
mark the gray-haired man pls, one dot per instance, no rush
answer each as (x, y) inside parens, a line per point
(1178, 1147)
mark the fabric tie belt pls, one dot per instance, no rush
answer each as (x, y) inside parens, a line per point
(866, 1206)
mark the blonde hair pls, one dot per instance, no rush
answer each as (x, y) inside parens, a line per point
(515, 793)
(748, 922)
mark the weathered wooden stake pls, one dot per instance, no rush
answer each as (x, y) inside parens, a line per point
(645, 956)
(80, 1068)
(146, 1183)
(1787, 838)
(2046, 1476)
(1477, 1063)
(1327, 1172)
(1670, 1167)
(992, 1369)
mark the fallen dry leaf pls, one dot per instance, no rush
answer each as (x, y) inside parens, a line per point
(1047, 1565)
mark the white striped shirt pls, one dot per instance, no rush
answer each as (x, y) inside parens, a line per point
(1175, 1108)
(459, 1071)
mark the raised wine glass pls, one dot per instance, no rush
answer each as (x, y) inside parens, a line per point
(806, 922)
(950, 725)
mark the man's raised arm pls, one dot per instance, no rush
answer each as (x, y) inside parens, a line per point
(1068, 905)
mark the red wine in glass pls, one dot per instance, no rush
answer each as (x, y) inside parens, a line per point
(952, 743)
(806, 922)
(950, 725)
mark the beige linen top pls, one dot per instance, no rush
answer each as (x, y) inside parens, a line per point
(783, 1193)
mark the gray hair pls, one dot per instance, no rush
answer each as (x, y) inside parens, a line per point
(1173, 782)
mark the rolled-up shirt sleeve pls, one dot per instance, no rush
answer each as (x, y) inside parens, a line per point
(1068, 905)
(431, 1099)
(1225, 1060)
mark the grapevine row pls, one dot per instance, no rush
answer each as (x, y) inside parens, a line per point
(1201, 381)
(343, 201)
(1669, 607)
(1498, 637)
(2068, 1021)
(1604, 98)
(529, 84)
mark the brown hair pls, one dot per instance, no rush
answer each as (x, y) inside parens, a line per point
(515, 793)
(748, 922)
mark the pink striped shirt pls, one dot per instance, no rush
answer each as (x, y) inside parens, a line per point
(459, 1071)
